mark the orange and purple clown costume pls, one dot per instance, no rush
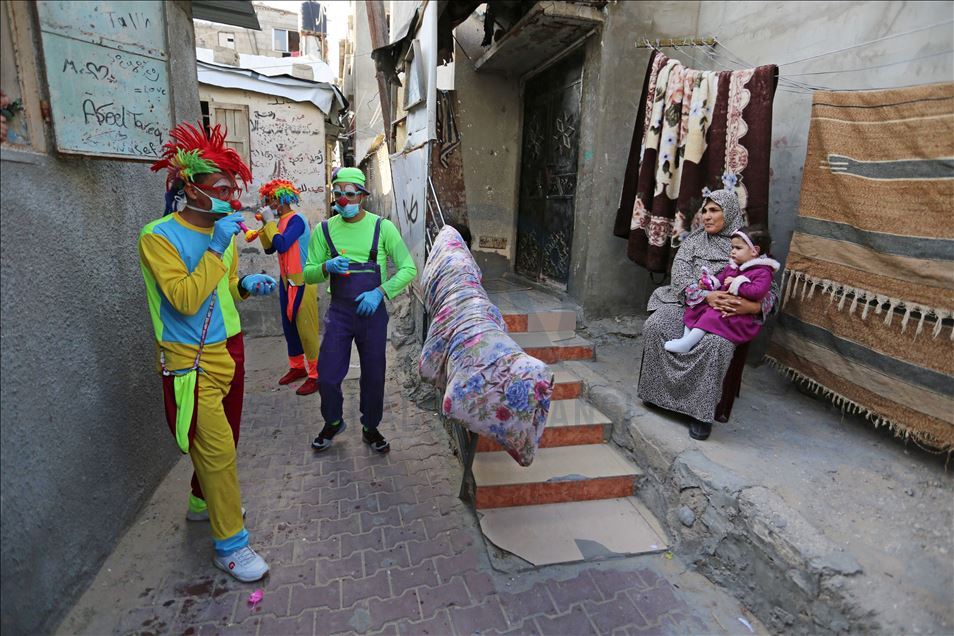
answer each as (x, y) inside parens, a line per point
(288, 237)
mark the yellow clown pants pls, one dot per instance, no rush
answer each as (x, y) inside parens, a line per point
(213, 436)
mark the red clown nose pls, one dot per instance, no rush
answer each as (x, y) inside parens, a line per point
(236, 204)
(342, 201)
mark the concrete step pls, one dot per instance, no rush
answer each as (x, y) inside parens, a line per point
(565, 532)
(569, 423)
(561, 474)
(532, 310)
(554, 346)
(534, 321)
(566, 384)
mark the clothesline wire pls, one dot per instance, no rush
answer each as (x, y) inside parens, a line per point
(782, 80)
(869, 68)
(861, 44)
(811, 87)
(714, 59)
(786, 82)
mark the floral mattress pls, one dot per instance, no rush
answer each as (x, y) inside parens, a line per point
(491, 386)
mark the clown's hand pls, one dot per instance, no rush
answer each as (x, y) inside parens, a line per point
(223, 231)
(258, 284)
(268, 214)
(369, 301)
(337, 265)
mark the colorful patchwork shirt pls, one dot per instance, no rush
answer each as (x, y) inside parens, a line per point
(181, 276)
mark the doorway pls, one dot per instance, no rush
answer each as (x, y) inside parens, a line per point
(548, 171)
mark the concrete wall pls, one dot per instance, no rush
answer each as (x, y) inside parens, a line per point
(602, 279)
(490, 118)
(366, 104)
(248, 40)
(377, 170)
(287, 142)
(84, 440)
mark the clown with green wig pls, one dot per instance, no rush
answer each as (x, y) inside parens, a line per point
(286, 232)
(190, 266)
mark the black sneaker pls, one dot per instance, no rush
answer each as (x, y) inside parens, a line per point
(375, 440)
(323, 441)
(700, 430)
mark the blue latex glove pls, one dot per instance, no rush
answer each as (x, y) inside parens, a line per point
(258, 284)
(368, 302)
(337, 265)
(223, 231)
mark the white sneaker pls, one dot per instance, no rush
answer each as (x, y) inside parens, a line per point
(244, 564)
(204, 515)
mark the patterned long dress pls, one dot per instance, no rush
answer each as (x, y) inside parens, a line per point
(689, 383)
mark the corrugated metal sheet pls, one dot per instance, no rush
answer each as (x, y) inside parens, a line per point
(238, 13)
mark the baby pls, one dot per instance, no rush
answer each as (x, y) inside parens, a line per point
(749, 275)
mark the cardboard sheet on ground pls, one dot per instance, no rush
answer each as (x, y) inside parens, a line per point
(577, 531)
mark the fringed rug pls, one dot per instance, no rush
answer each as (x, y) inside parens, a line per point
(868, 293)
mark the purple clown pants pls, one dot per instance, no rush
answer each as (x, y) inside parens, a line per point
(342, 324)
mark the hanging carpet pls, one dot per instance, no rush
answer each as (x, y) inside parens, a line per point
(869, 281)
(694, 130)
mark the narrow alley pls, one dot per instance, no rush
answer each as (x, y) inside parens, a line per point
(477, 317)
(369, 544)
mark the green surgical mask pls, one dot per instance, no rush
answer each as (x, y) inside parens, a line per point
(218, 205)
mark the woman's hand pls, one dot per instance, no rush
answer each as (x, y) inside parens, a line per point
(731, 305)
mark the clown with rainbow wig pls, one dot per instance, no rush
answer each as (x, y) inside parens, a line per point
(286, 232)
(190, 266)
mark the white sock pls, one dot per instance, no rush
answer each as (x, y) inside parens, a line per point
(686, 343)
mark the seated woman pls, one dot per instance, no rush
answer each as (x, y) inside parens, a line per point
(691, 383)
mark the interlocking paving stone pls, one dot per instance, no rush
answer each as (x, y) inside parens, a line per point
(478, 618)
(365, 544)
(574, 622)
(446, 595)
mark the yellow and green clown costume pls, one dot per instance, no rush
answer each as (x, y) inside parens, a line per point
(288, 237)
(192, 297)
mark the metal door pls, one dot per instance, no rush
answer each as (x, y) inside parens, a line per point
(551, 134)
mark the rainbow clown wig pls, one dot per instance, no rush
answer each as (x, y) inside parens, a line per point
(191, 152)
(281, 189)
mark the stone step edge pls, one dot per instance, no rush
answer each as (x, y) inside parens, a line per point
(576, 435)
(536, 493)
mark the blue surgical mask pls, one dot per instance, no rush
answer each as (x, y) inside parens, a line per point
(218, 205)
(348, 211)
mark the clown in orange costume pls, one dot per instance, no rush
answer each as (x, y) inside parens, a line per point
(286, 232)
